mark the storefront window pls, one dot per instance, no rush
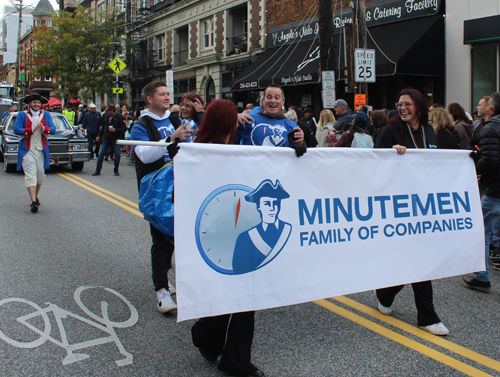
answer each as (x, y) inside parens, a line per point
(484, 73)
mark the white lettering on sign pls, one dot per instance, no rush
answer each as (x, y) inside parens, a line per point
(412, 5)
(247, 85)
(379, 13)
(102, 323)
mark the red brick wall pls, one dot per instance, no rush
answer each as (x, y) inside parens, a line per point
(255, 24)
(193, 40)
(282, 12)
(219, 36)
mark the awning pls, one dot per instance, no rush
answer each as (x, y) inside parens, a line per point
(288, 65)
(410, 47)
(417, 46)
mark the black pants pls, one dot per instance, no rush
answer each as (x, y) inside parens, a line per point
(209, 334)
(423, 300)
(161, 258)
(92, 141)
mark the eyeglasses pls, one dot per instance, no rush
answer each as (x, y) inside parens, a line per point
(186, 105)
(403, 104)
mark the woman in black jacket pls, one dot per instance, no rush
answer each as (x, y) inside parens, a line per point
(447, 135)
(410, 129)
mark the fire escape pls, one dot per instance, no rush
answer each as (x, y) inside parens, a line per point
(143, 55)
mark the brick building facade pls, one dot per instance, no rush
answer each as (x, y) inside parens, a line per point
(42, 15)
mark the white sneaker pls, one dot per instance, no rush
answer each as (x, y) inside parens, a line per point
(171, 288)
(381, 308)
(436, 329)
(165, 302)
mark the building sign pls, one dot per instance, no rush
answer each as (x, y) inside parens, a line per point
(306, 100)
(238, 65)
(382, 13)
(364, 65)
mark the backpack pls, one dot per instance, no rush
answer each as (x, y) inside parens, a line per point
(362, 140)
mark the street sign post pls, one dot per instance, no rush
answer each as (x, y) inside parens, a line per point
(364, 65)
(117, 65)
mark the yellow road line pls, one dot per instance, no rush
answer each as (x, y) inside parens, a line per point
(450, 346)
(114, 201)
(130, 203)
(398, 338)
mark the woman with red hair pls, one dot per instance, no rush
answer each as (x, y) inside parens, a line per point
(219, 123)
(209, 334)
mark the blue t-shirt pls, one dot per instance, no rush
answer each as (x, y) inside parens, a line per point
(4, 114)
(265, 131)
(165, 128)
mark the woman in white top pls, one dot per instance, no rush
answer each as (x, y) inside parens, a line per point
(326, 121)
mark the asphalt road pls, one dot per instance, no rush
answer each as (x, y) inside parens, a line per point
(89, 234)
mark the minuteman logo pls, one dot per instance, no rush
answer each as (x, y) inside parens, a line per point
(271, 135)
(238, 229)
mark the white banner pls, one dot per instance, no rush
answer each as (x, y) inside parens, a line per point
(257, 227)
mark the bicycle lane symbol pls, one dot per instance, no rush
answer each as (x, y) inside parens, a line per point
(103, 323)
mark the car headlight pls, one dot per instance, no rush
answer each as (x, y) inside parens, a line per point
(12, 148)
(78, 147)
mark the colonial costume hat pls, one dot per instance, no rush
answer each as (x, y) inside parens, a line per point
(266, 188)
(34, 97)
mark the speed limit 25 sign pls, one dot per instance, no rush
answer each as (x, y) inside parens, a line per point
(364, 65)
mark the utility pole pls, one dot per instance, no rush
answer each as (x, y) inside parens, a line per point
(362, 38)
(351, 39)
(326, 45)
(20, 9)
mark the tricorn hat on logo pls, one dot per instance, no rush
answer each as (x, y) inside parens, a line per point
(266, 188)
(34, 97)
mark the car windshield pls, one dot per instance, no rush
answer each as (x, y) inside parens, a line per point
(60, 122)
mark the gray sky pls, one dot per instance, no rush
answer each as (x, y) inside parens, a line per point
(27, 2)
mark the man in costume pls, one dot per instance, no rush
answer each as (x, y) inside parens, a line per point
(259, 245)
(154, 125)
(34, 125)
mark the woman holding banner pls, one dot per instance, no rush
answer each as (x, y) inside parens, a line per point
(410, 129)
(209, 334)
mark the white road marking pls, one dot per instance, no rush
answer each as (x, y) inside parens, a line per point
(103, 323)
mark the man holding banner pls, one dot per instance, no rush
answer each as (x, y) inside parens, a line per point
(271, 128)
(411, 122)
(154, 125)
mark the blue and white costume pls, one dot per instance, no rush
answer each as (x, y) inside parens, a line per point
(148, 154)
(265, 131)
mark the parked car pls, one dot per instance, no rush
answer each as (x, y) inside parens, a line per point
(64, 146)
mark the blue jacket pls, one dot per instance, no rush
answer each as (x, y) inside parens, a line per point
(19, 129)
(92, 122)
